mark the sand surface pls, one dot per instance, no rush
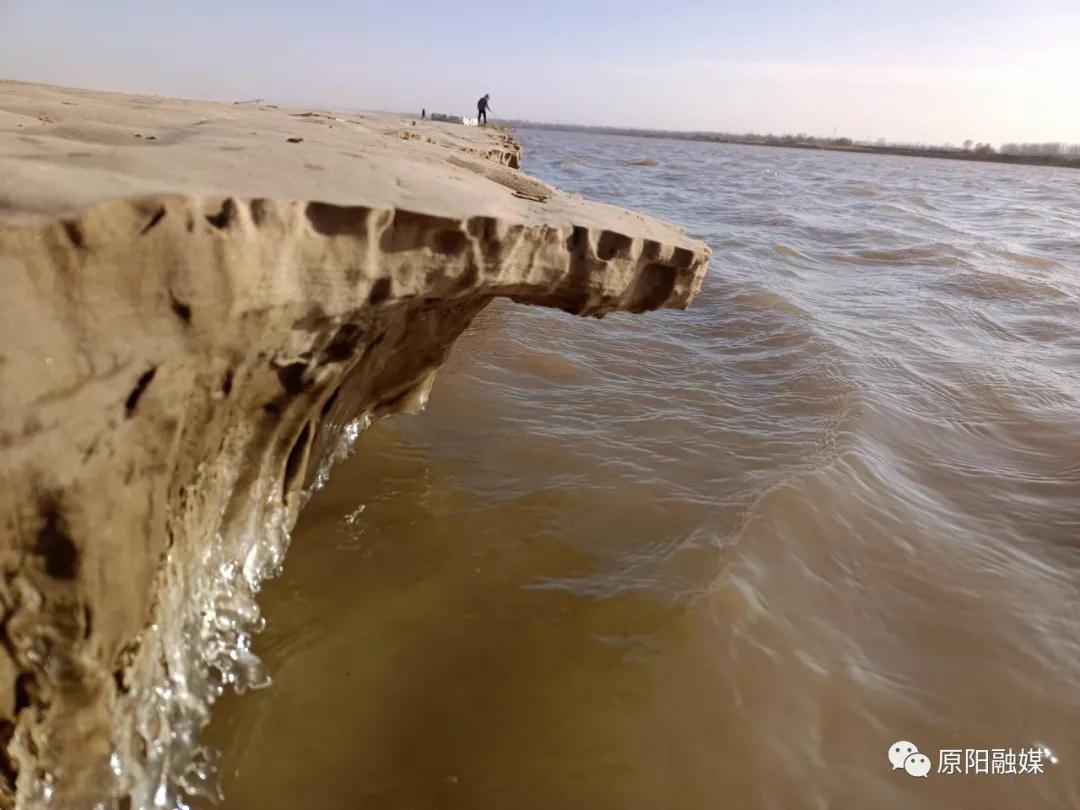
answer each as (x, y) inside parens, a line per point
(63, 149)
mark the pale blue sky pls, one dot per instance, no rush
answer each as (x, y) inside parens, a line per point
(915, 70)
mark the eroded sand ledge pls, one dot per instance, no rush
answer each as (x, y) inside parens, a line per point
(195, 309)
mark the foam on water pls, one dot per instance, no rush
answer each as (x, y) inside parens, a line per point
(341, 451)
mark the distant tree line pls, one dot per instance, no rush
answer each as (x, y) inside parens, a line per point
(1042, 149)
(800, 139)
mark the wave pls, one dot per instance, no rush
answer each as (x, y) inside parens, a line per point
(922, 202)
(987, 285)
(766, 299)
(791, 253)
(935, 255)
(1029, 260)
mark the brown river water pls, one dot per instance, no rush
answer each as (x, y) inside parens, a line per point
(722, 558)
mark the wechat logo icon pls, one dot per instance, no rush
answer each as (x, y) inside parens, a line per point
(905, 755)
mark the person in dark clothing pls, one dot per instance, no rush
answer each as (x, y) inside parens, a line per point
(482, 107)
(423, 113)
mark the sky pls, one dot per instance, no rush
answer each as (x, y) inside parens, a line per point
(916, 71)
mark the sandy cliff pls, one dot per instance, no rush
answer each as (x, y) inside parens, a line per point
(200, 306)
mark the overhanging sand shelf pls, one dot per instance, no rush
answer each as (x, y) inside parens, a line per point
(198, 311)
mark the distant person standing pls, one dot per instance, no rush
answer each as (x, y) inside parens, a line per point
(482, 107)
(423, 113)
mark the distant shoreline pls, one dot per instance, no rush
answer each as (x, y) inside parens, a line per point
(790, 142)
